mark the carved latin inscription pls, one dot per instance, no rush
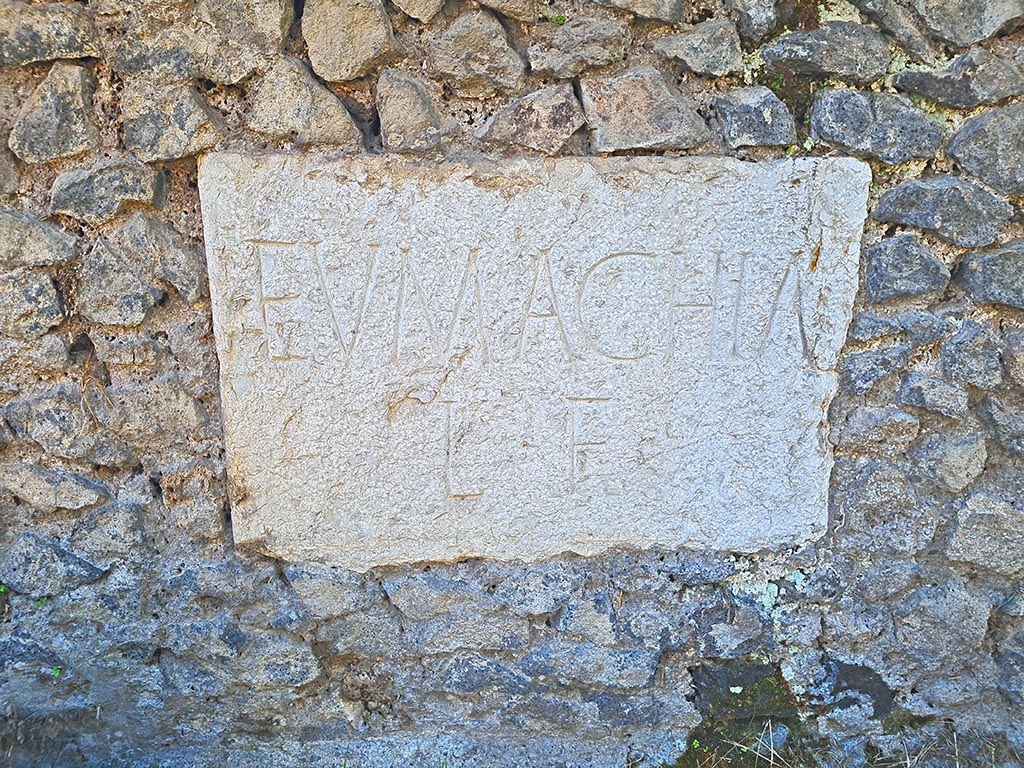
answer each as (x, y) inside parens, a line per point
(429, 362)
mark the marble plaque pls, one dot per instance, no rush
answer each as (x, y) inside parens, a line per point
(516, 359)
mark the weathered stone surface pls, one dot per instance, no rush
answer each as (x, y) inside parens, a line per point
(424, 10)
(988, 535)
(973, 78)
(556, 351)
(900, 267)
(409, 120)
(842, 49)
(865, 369)
(593, 664)
(954, 461)
(932, 394)
(1013, 355)
(878, 125)
(754, 117)
(709, 48)
(521, 10)
(26, 241)
(109, 289)
(37, 567)
(346, 39)
(166, 122)
(99, 194)
(48, 489)
(972, 357)
(1007, 421)
(579, 44)
(885, 430)
(995, 276)
(672, 11)
(289, 103)
(8, 173)
(543, 120)
(637, 110)
(897, 19)
(474, 55)
(30, 303)
(991, 147)
(171, 260)
(755, 18)
(56, 121)
(965, 22)
(221, 41)
(953, 209)
(44, 32)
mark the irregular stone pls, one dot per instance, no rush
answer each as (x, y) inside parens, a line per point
(159, 244)
(536, 590)
(278, 660)
(953, 460)
(98, 194)
(425, 596)
(8, 173)
(987, 535)
(30, 303)
(49, 489)
(328, 592)
(110, 291)
(474, 631)
(220, 41)
(409, 120)
(971, 79)
(37, 567)
(924, 328)
(672, 11)
(953, 209)
(900, 267)
(45, 32)
(612, 205)
(108, 535)
(589, 664)
(755, 18)
(579, 44)
(346, 39)
(56, 120)
(883, 430)
(1013, 356)
(289, 103)
(1007, 423)
(166, 122)
(63, 424)
(940, 621)
(475, 57)
(995, 276)
(521, 10)
(370, 632)
(543, 120)
(965, 22)
(470, 673)
(932, 394)
(862, 370)
(589, 619)
(842, 49)
(989, 146)
(897, 19)
(972, 357)
(423, 10)
(637, 110)
(878, 125)
(754, 117)
(709, 48)
(26, 241)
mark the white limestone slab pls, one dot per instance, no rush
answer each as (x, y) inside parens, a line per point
(522, 358)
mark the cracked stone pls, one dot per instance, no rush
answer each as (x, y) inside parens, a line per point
(30, 303)
(988, 535)
(409, 120)
(44, 32)
(56, 120)
(954, 461)
(900, 267)
(49, 489)
(110, 291)
(951, 208)
(991, 148)
(672, 11)
(474, 55)
(932, 394)
(879, 430)
(972, 357)
(899, 21)
(98, 194)
(37, 567)
(167, 122)
(346, 39)
(577, 45)
(755, 18)
(965, 22)
(972, 79)
(26, 241)
(289, 103)
(544, 120)
(862, 370)
(637, 110)
(754, 117)
(842, 49)
(709, 48)
(173, 262)
(995, 276)
(880, 125)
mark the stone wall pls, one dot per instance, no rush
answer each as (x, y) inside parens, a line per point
(133, 632)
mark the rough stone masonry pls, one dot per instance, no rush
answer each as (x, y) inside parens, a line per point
(136, 631)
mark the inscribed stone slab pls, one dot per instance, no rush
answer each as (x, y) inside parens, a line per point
(522, 358)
